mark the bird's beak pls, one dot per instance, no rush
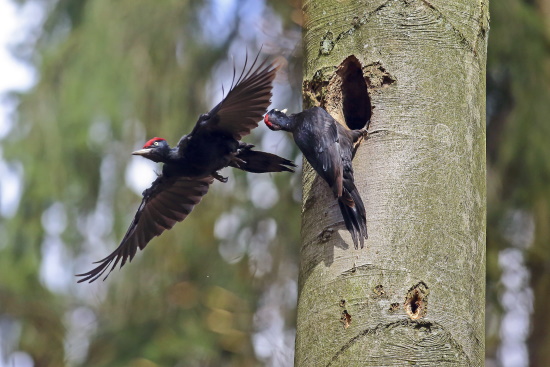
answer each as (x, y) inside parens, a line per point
(142, 151)
(270, 125)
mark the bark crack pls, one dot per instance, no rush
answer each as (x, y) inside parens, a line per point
(423, 325)
(462, 38)
(359, 22)
(483, 21)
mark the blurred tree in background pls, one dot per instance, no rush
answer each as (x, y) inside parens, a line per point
(518, 184)
(220, 288)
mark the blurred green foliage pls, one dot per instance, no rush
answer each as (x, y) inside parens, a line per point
(113, 74)
(518, 91)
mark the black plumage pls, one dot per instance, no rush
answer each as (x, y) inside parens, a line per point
(329, 147)
(190, 168)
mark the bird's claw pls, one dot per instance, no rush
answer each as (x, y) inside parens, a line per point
(220, 178)
(367, 125)
(236, 160)
(365, 131)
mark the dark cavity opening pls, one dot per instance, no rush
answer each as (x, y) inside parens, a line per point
(415, 302)
(356, 101)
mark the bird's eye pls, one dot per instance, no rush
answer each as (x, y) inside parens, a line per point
(156, 143)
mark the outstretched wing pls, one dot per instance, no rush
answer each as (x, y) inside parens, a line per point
(245, 104)
(169, 200)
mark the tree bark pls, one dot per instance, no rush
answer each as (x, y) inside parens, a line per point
(416, 293)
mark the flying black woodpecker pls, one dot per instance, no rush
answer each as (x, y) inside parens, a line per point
(192, 165)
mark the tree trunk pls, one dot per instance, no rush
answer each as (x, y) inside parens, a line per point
(416, 293)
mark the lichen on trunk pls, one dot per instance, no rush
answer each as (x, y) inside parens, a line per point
(415, 294)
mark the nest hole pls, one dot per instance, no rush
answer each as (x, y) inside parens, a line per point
(356, 103)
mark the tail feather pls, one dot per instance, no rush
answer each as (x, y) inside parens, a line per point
(355, 218)
(360, 210)
(261, 162)
(350, 221)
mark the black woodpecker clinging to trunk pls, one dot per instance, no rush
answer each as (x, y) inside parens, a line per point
(329, 147)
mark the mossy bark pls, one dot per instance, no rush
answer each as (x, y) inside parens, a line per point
(416, 293)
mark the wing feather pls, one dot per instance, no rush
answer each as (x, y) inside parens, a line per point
(166, 202)
(320, 144)
(246, 102)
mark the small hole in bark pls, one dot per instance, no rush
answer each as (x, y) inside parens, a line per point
(394, 307)
(356, 104)
(386, 80)
(416, 302)
(346, 319)
(326, 234)
(379, 290)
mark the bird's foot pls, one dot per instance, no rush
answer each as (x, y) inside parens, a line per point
(364, 132)
(219, 177)
(236, 160)
(365, 129)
